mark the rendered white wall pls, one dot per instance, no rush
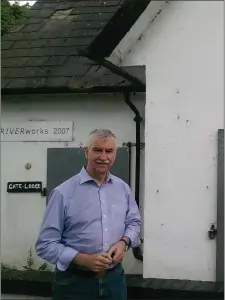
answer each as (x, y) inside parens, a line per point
(183, 50)
(21, 214)
(183, 53)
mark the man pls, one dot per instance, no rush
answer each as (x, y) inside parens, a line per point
(90, 221)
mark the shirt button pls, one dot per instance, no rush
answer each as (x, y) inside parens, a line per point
(103, 216)
(106, 229)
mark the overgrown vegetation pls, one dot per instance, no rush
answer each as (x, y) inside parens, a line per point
(11, 14)
(29, 264)
(30, 261)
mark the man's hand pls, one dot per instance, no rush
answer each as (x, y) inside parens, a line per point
(117, 251)
(95, 262)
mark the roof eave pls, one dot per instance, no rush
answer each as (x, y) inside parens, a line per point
(117, 28)
(68, 90)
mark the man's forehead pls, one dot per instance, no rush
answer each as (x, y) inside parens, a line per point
(103, 142)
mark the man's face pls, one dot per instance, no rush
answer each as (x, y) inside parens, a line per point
(101, 154)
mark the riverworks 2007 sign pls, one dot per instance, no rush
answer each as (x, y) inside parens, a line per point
(36, 131)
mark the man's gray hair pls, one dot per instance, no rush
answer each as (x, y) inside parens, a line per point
(100, 133)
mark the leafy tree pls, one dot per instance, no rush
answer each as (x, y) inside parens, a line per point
(10, 14)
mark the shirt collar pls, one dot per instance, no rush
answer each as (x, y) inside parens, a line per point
(85, 177)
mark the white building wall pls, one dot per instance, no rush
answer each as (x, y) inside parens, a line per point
(21, 214)
(183, 52)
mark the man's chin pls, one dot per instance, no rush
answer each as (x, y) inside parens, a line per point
(102, 169)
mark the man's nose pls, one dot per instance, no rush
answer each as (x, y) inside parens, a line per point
(103, 155)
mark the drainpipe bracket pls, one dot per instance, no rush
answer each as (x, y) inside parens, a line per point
(138, 119)
(129, 144)
(138, 254)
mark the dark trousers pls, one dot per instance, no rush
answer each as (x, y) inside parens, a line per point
(84, 285)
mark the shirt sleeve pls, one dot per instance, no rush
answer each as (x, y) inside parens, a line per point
(48, 245)
(133, 221)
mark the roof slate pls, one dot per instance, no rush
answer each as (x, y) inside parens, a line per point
(43, 52)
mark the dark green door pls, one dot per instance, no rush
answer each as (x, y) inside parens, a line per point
(63, 163)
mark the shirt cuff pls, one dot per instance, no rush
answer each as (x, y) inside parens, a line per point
(134, 239)
(65, 258)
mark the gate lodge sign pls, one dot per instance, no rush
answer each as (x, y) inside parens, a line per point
(37, 131)
(24, 187)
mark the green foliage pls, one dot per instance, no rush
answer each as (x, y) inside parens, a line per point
(30, 263)
(43, 267)
(30, 260)
(11, 14)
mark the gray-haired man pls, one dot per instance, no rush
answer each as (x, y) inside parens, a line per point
(90, 221)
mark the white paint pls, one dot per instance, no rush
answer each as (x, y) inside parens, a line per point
(136, 32)
(21, 214)
(183, 50)
(183, 53)
(39, 131)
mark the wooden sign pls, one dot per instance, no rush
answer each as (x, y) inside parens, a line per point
(37, 131)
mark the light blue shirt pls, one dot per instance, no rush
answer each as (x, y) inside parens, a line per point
(83, 217)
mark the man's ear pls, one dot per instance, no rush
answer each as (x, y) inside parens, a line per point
(116, 152)
(86, 151)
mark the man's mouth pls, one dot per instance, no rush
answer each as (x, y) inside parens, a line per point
(102, 163)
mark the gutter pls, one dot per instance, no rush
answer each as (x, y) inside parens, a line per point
(70, 90)
(136, 83)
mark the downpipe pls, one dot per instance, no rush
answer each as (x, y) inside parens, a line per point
(138, 119)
